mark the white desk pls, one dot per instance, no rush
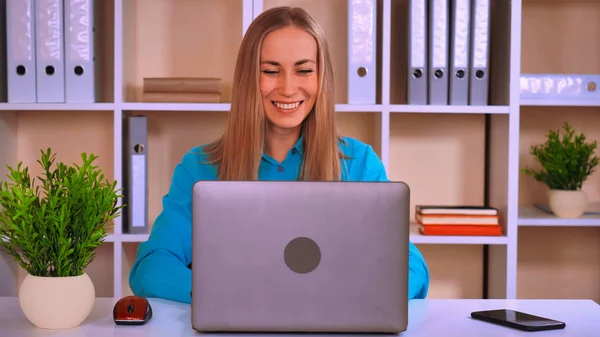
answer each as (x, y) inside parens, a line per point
(427, 318)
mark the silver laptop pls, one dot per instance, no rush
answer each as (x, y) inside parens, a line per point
(293, 256)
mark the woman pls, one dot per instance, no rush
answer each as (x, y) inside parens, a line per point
(281, 127)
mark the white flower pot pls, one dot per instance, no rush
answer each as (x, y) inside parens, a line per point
(57, 302)
(567, 204)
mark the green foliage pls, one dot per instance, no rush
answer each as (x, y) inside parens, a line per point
(52, 226)
(566, 161)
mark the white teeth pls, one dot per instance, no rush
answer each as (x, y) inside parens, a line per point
(287, 105)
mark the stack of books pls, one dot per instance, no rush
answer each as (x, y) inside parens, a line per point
(457, 220)
(182, 90)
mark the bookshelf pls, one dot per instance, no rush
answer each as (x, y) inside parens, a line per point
(447, 154)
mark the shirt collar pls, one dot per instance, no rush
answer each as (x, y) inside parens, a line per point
(297, 149)
(299, 146)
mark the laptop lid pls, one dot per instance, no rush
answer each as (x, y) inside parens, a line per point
(280, 256)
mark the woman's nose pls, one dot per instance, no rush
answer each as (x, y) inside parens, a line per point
(287, 85)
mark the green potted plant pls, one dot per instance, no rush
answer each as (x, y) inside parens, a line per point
(567, 159)
(51, 225)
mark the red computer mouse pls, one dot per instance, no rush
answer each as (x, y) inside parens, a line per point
(132, 310)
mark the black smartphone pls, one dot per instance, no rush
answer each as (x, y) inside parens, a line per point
(518, 320)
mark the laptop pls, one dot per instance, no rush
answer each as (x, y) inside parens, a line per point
(296, 256)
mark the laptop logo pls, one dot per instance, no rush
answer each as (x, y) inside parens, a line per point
(302, 255)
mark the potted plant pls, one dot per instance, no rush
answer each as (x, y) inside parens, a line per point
(566, 160)
(51, 225)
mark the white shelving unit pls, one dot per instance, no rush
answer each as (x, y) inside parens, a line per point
(123, 73)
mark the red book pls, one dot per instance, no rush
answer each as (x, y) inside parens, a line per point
(465, 230)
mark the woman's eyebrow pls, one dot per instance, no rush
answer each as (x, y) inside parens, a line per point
(278, 64)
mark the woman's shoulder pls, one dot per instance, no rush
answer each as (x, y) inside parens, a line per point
(361, 162)
(196, 162)
(353, 148)
(197, 152)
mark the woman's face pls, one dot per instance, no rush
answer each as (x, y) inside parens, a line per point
(288, 77)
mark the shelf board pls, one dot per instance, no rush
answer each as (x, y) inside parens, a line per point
(532, 216)
(131, 237)
(108, 238)
(142, 106)
(417, 238)
(358, 107)
(118, 238)
(451, 109)
(558, 102)
(56, 106)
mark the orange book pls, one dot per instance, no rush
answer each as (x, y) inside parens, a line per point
(467, 230)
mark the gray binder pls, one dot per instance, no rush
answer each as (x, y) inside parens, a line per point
(480, 47)
(20, 42)
(459, 54)
(362, 51)
(80, 51)
(49, 51)
(416, 88)
(135, 175)
(438, 51)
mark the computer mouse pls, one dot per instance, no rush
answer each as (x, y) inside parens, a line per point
(132, 310)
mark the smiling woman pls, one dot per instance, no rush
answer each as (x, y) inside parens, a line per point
(289, 85)
(281, 126)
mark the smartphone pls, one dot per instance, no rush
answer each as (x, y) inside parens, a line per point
(518, 320)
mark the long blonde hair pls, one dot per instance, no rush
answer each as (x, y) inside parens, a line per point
(238, 152)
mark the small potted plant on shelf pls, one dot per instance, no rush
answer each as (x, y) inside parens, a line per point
(51, 226)
(566, 160)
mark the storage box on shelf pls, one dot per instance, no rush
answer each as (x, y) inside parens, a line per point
(556, 40)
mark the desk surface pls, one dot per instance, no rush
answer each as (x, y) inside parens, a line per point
(449, 318)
